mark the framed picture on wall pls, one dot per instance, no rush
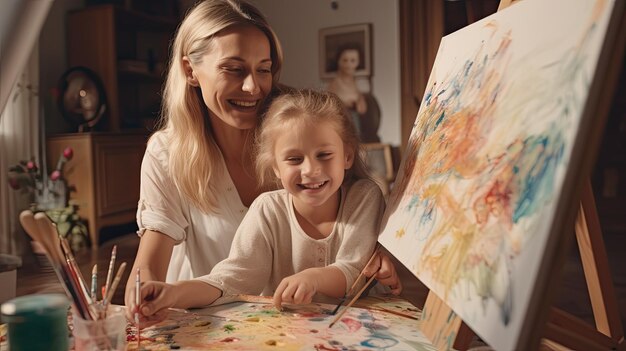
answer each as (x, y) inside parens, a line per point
(335, 40)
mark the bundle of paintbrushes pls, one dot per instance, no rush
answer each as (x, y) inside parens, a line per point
(110, 285)
(85, 303)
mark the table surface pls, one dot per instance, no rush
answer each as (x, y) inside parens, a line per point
(378, 323)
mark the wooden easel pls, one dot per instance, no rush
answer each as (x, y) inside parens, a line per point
(562, 331)
(568, 330)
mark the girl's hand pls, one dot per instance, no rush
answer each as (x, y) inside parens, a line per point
(386, 275)
(296, 289)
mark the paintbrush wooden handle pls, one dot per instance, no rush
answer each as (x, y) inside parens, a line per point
(107, 284)
(381, 309)
(369, 281)
(71, 261)
(374, 254)
(27, 220)
(49, 238)
(36, 225)
(116, 281)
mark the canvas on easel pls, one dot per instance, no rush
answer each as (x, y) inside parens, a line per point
(488, 188)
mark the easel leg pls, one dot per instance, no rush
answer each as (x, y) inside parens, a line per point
(596, 268)
(570, 331)
(443, 327)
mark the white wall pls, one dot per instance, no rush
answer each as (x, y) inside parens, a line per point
(297, 23)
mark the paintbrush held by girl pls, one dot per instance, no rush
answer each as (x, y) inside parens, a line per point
(308, 241)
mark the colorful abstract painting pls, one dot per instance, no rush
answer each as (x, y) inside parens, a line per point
(380, 324)
(479, 184)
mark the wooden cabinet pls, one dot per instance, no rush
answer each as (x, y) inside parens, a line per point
(126, 44)
(128, 50)
(105, 173)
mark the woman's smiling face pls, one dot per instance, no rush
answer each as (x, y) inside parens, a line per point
(235, 76)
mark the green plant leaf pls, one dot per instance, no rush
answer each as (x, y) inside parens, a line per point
(63, 228)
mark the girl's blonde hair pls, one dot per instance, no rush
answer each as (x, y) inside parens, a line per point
(194, 157)
(309, 108)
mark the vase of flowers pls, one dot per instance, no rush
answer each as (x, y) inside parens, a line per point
(49, 194)
(45, 192)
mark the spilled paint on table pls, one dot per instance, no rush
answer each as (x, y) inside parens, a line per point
(379, 324)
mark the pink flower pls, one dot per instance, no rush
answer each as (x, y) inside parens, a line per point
(31, 166)
(68, 153)
(55, 175)
(14, 184)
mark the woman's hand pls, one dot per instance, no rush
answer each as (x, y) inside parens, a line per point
(153, 257)
(156, 298)
(386, 275)
(129, 298)
(144, 321)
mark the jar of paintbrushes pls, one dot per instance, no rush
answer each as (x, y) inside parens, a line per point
(96, 324)
(105, 326)
(106, 333)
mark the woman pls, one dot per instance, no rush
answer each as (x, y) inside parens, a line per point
(344, 84)
(197, 178)
(363, 107)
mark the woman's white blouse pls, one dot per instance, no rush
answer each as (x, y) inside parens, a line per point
(202, 240)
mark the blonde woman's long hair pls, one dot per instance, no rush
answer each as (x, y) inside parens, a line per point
(194, 157)
(308, 108)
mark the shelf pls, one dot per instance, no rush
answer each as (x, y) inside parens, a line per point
(121, 46)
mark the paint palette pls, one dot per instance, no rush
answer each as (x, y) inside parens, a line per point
(379, 323)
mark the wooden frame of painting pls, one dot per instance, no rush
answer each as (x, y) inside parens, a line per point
(333, 40)
(483, 208)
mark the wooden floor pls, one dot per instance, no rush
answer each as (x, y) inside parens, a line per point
(573, 297)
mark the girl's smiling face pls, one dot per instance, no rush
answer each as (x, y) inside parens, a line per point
(235, 76)
(311, 162)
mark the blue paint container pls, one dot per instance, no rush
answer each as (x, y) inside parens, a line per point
(37, 322)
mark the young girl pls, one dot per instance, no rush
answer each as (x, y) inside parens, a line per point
(307, 241)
